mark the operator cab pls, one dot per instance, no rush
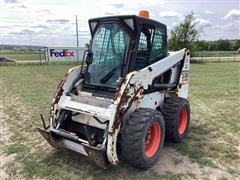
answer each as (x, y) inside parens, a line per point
(121, 44)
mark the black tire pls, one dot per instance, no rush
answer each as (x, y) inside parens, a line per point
(136, 149)
(172, 109)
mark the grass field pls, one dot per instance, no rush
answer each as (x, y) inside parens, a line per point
(28, 56)
(211, 150)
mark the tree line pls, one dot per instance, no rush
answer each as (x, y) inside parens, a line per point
(218, 45)
(185, 35)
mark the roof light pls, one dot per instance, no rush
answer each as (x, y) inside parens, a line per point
(144, 13)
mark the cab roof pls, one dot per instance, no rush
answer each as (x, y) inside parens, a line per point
(136, 20)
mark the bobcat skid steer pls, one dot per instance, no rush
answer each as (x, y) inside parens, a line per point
(126, 99)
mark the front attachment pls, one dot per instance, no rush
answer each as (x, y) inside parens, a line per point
(61, 139)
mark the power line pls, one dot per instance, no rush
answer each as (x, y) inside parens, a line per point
(56, 23)
(15, 34)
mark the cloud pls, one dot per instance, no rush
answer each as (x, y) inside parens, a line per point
(57, 21)
(45, 10)
(231, 26)
(118, 5)
(170, 14)
(233, 14)
(26, 31)
(209, 12)
(53, 27)
(40, 26)
(84, 33)
(109, 14)
(11, 1)
(23, 6)
(203, 23)
(197, 15)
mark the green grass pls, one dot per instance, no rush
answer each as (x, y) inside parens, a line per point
(15, 148)
(26, 91)
(29, 57)
(24, 56)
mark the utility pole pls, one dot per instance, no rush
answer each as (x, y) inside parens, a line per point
(77, 36)
(1, 36)
(30, 39)
(77, 30)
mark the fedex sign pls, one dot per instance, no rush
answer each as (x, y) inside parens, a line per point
(62, 53)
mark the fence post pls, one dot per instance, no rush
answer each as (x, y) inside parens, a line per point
(234, 56)
(39, 52)
(219, 56)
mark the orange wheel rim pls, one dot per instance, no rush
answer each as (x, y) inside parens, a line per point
(152, 139)
(182, 123)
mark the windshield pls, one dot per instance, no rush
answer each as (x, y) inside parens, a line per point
(109, 48)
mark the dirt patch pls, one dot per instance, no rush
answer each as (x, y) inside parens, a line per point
(5, 135)
(171, 161)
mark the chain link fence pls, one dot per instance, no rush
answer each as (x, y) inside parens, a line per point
(215, 56)
(37, 56)
(24, 56)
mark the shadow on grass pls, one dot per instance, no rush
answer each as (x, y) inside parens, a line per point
(70, 165)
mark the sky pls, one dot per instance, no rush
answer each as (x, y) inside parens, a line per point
(52, 22)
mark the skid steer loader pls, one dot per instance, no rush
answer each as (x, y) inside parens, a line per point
(126, 99)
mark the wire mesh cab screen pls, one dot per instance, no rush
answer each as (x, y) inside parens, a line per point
(109, 47)
(151, 47)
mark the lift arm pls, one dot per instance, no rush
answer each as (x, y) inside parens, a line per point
(147, 74)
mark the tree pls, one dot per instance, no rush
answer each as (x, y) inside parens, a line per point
(223, 45)
(185, 34)
(201, 45)
(236, 46)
